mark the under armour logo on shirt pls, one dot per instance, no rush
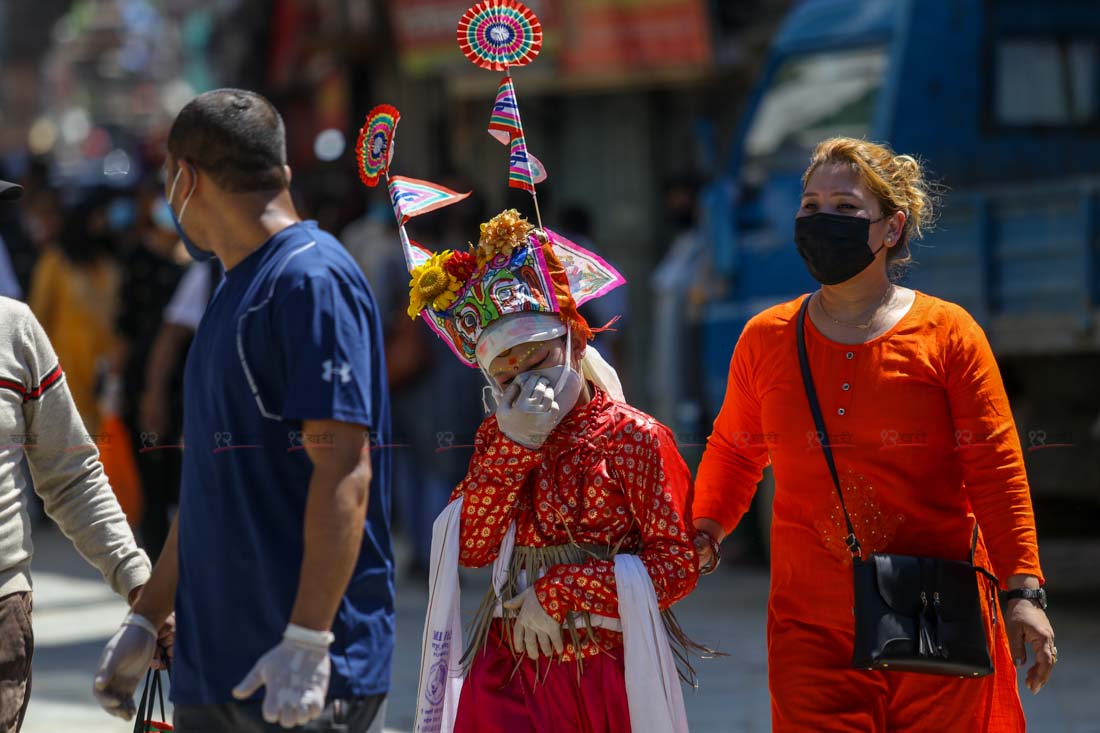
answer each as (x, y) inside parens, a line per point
(344, 371)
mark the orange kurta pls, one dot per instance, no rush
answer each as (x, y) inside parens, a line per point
(924, 442)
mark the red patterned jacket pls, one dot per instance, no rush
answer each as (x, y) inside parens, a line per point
(608, 474)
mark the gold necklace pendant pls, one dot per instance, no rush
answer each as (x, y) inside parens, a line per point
(861, 326)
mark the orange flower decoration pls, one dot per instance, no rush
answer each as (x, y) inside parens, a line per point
(501, 235)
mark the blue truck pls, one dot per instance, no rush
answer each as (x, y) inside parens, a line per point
(1001, 101)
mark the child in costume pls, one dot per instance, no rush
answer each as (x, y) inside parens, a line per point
(578, 500)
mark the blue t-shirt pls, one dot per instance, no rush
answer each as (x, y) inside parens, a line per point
(291, 334)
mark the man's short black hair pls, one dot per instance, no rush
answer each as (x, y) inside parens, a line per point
(235, 136)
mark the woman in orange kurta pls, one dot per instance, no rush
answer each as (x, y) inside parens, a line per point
(924, 443)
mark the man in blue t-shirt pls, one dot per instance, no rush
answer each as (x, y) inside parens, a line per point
(279, 566)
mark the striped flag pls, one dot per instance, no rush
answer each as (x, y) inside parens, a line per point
(504, 123)
(413, 197)
(538, 170)
(519, 168)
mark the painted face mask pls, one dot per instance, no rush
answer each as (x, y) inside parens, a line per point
(508, 333)
(834, 247)
(197, 254)
(516, 283)
(566, 380)
(563, 378)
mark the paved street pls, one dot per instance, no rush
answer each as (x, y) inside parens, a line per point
(75, 613)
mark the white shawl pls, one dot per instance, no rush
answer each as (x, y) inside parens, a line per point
(654, 697)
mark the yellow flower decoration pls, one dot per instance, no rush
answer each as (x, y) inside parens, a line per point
(501, 235)
(432, 286)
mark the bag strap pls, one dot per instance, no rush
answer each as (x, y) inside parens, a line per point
(819, 422)
(152, 693)
(973, 550)
(142, 715)
(160, 696)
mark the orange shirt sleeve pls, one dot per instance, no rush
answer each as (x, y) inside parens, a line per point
(736, 453)
(989, 451)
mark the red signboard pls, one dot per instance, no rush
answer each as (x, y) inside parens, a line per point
(631, 36)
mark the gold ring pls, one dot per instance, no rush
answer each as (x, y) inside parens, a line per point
(1054, 654)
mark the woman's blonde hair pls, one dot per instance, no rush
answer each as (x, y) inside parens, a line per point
(897, 181)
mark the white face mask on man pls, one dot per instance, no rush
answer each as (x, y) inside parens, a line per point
(537, 400)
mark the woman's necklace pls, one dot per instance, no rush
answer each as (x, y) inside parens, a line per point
(850, 324)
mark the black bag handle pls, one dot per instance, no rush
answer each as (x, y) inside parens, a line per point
(819, 422)
(142, 717)
(154, 688)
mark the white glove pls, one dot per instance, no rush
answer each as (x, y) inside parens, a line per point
(528, 412)
(296, 674)
(123, 663)
(534, 629)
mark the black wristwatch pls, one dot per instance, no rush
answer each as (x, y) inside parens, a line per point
(1038, 596)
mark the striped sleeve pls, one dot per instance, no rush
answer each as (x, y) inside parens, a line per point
(51, 379)
(64, 463)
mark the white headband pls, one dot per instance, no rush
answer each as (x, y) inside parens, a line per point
(515, 329)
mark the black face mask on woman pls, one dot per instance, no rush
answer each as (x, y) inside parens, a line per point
(833, 246)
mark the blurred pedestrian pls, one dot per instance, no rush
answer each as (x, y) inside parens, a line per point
(9, 283)
(160, 409)
(74, 294)
(369, 240)
(151, 271)
(677, 281)
(18, 251)
(278, 564)
(916, 428)
(435, 452)
(576, 225)
(39, 423)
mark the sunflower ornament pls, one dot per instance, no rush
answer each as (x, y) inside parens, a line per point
(432, 286)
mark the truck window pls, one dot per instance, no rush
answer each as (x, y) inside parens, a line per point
(1047, 82)
(812, 97)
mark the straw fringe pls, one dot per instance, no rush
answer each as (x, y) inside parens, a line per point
(536, 561)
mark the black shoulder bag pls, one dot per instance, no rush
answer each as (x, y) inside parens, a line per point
(912, 614)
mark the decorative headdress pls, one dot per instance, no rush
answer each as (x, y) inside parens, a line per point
(516, 267)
